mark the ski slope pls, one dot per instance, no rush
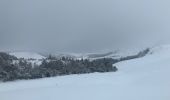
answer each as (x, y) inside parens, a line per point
(144, 78)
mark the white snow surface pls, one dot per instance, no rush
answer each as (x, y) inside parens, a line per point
(27, 55)
(144, 78)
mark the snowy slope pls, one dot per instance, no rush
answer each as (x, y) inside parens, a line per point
(27, 55)
(144, 78)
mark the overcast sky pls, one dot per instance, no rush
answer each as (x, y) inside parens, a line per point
(83, 25)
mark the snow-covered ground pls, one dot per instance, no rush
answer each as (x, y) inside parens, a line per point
(144, 78)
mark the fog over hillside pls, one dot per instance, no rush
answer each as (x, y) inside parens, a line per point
(82, 26)
(84, 49)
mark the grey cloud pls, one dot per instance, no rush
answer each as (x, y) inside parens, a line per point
(82, 25)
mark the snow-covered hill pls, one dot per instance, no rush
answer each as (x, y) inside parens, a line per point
(115, 54)
(144, 78)
(27, 55)
(30, 57)
(104, 54)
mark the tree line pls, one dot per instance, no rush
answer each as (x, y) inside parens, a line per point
(12, 68)
(51, 66)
